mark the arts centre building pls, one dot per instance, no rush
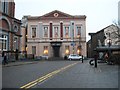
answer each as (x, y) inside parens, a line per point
(54, 34)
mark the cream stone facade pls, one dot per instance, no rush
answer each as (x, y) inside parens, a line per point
(56, 34)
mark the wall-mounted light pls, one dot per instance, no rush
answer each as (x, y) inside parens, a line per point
(109, 42)
(26, 48)
(66, 51)
(45, 52)
(78, 51)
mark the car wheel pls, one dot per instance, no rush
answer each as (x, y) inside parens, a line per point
(70, 59)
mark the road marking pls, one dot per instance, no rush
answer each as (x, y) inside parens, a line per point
(45, 77)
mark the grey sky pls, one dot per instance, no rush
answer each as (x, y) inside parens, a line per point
(100, 13)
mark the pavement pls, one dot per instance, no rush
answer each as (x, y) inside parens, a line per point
(23, 62)
(20, 62)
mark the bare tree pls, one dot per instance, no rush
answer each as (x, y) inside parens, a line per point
(116, 31)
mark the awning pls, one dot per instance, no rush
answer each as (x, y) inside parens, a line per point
(106, 48)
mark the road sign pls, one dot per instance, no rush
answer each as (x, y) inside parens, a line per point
(72, 44)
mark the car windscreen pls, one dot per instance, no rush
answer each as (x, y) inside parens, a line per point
(73, 55)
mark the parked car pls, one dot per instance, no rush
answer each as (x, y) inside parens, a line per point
(45, 57)
(74, 57)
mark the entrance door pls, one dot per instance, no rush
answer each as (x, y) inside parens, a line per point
(56, 50)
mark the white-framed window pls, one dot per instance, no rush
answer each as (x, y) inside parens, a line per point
(5, 6)
(0, 6)
(15, 43)
(56, 31)
(34, 30)
(45, 29)
(66, 31)
(34, 50)
(3, 42)
(78, 31)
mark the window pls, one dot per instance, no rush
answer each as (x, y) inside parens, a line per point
(0, 6)
(45, 52)
(3, 42)
(34, 50)
(15, 28)
(45, 31)
(5, 7)
(67, 50)
(15, 43)
(33, 31)
(66, 32)
(56, 34)
(78, 31)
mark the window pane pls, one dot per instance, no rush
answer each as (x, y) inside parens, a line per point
(3, 7)
(56, 31)
(66, 31)
(33, 49)
(78, 30)
(33, 32)
(45, 31)
(0, 6)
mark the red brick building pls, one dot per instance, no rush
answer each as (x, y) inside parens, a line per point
(9, 28)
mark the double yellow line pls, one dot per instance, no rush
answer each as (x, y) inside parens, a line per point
(43, 78)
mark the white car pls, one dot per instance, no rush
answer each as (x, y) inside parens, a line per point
(74, 57)
(45, 57)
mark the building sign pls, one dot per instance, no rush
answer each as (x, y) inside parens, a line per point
(55, 43)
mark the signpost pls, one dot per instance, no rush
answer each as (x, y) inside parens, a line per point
(72, 34)
(73, 44)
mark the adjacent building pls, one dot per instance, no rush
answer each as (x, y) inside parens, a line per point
(97, 39)
(54, 34)
(9, 28)
(105, 38)
(119, 11)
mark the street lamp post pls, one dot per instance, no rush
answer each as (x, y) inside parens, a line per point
(109, 41)
(73, 36)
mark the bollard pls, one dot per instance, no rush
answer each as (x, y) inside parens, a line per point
(82, 58)
(95, 61)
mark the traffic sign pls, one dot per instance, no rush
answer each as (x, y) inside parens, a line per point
(72, 44)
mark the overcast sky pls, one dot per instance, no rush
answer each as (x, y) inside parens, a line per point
(100, 13)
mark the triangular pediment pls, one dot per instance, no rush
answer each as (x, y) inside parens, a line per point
(56, 14)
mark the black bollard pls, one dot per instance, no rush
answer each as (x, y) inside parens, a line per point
(82, 58)
(95, 61)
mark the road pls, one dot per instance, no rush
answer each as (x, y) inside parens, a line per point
(60, 74)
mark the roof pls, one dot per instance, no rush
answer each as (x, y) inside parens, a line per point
(102, 30)
(106, 48)
(57, 14)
